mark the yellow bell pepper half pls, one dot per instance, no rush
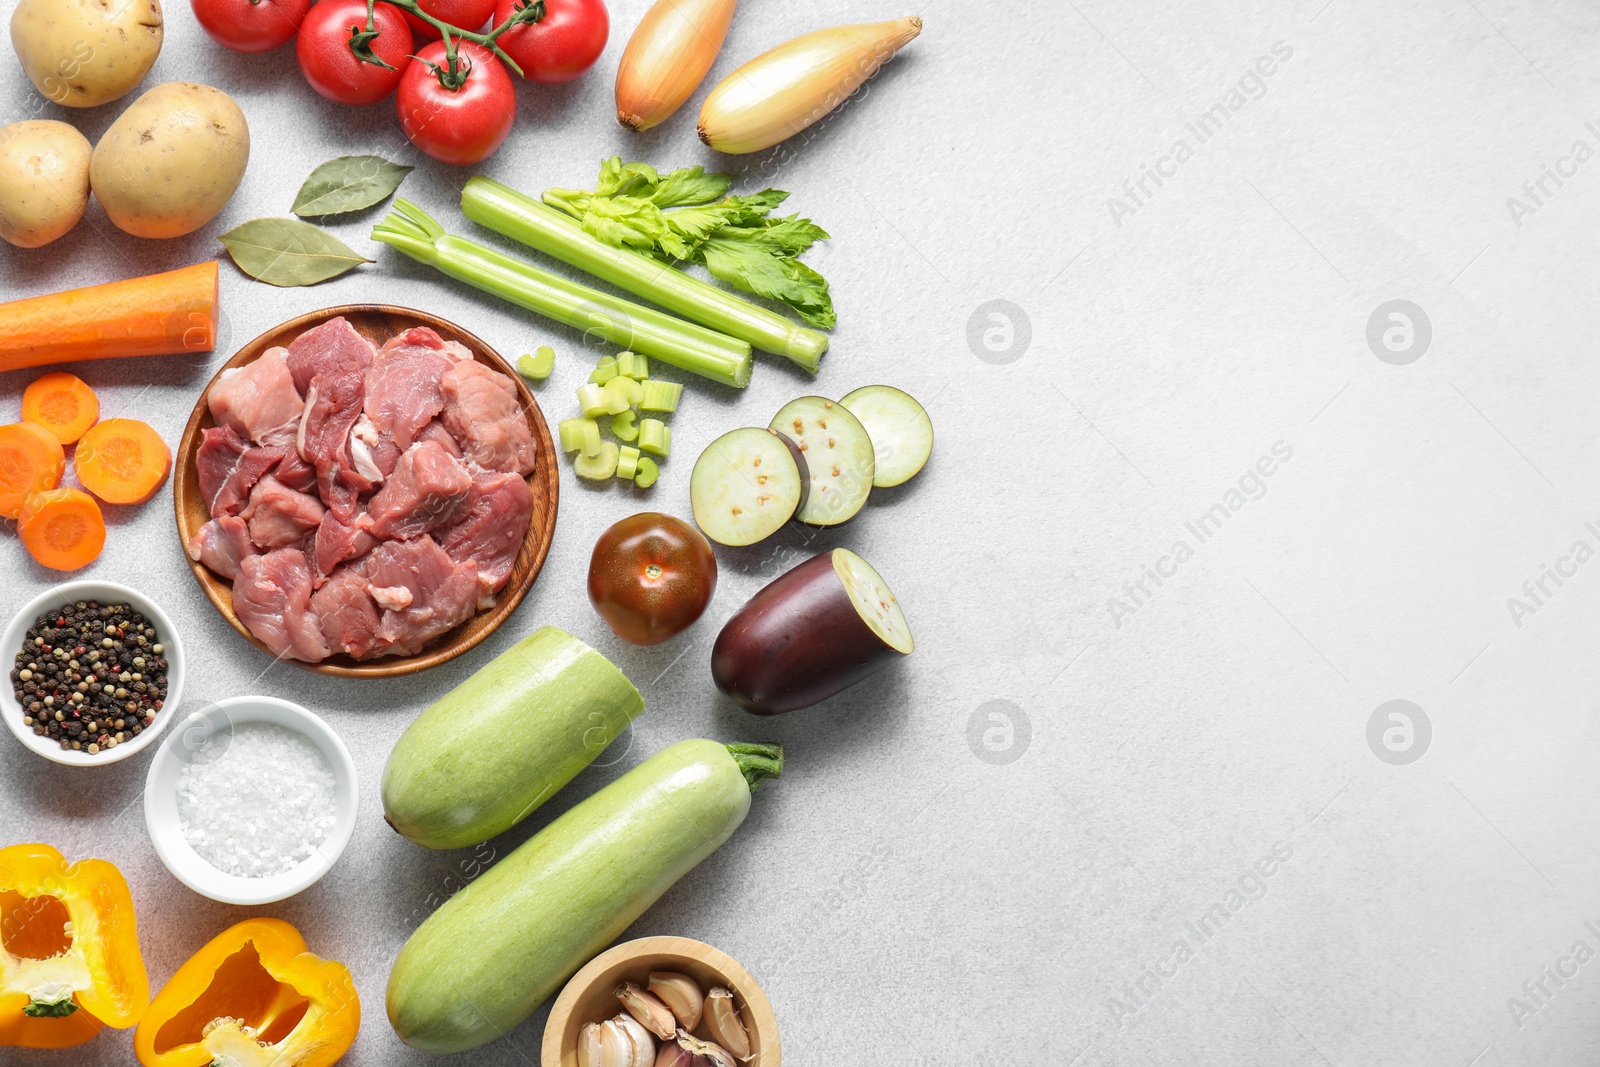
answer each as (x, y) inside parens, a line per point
(69, 950)
(253, 997)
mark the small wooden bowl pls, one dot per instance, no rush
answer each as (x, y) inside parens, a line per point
(590, 996)
(379, 322)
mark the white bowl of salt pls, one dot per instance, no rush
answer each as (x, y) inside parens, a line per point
(250, 800)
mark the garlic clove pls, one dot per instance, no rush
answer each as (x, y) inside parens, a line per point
(616, 1046)
(673, 1054)
(724, 1025)
(682, 996)
(644, 1045)
(713, 1054)
(648, 1009)
(589, 1046)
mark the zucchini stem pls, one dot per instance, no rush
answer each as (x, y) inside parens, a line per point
(757, 762)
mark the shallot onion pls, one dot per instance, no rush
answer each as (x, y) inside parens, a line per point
(667, 58)
(782, 91)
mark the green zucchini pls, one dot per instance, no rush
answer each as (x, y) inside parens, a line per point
(504, 944)
(498, 745)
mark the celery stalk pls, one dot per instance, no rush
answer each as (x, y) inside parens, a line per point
(523, 218)
(627, 462)
(682, 344)
(591, 401)
(660, 396)
(655, 437)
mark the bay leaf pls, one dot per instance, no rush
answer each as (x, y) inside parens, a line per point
(348, 183)
(288, 252)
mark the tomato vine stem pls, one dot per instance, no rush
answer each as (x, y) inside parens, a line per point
(453, 74)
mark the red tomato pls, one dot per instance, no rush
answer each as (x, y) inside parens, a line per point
(462, 125)
(250, 25)
(462, 14)
(651, 576)
(560, 46)
(323, 49)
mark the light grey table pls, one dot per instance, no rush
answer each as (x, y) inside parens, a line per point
(1200, 508)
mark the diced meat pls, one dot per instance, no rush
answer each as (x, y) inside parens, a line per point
(391, 597)
(229, 467)
(489, 528)
(423, 492)
(295, 472)
(272, 597)
(332, 348)
(221, 543)
(336, 542)
(435, 431)
(348, 617)
(483, 412)
(331, 411)
(373, 453)
(443, 593)
(278, 516)
(404, 384)
(259, 399)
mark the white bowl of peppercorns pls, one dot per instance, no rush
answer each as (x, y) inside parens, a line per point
(95, 671)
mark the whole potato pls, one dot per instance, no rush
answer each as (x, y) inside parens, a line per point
(86, 52)
(171, 161)
(44, 181)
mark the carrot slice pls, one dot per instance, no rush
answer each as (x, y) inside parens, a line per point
(122, 461)
(62, 528)
(31, 461)
(62, 403)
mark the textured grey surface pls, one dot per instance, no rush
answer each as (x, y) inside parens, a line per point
(902, 899)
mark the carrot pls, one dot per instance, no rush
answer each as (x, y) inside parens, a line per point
(155, 315)
(61, 403)
(31, 461)
(62, 529)
(122, 461)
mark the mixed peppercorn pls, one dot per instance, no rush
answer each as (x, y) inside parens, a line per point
(90, 676)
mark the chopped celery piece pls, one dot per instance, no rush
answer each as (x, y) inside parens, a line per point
(648, 473)
(603, 371)
(627, 462)
(660, 396)
(623, 427)
(621, 394)
(655, 437)
(592, 402)
(633, 365)
(539, 365)
(580, 435)
(599, 467)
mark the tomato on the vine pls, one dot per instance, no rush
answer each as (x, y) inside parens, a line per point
(462, 123)
(250, 25)
(468, 15)
(561, 45)
(332, 69)
(651, 576)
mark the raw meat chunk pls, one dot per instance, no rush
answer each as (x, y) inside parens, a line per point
(374, 453)
(335, 542)
(279, 516)
(435, 431)
(296, 473)
(348, 617)
(229, 467)
(483, 412)
(272, 597)
(443, 593)
(332, 348)
(221, 543)
(488, 528)
(423, 492)
(259, 399)
(331, 411)
(404, 384)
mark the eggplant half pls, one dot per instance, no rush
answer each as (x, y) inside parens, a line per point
(812, 632)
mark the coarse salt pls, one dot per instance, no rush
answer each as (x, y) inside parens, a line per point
(257, 800)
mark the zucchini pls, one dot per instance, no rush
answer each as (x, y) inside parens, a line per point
(504, 944)
(498, 745)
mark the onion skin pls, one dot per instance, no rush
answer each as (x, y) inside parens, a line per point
(798, 641)
(784, 90)
(667, 58)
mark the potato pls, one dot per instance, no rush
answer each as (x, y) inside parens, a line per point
(44, 181)
(82, 53)
(171, 161)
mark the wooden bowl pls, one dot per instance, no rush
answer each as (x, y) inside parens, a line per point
(590, 996)
(378, 323)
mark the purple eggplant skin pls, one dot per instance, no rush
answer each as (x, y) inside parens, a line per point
(798, 641)
(800, 464)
